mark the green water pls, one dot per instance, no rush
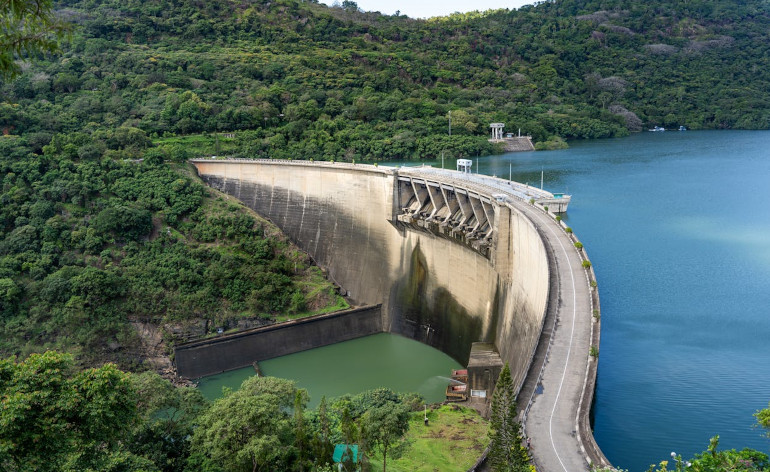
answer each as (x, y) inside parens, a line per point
(381, 360)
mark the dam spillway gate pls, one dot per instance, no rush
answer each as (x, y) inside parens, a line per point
(447, 210)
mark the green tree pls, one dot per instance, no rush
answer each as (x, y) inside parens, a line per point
(506, 452)
(249, 429)
(322, 445)
(167, 416)
(55, 418)
(714, 460)
(763, 419)
(300, 429)
(29, 28)
(384, 428)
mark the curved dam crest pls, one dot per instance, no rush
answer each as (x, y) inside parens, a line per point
(453, 261)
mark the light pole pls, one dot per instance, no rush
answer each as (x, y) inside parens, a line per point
(450, 122)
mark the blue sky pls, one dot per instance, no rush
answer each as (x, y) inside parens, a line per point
(428, 8)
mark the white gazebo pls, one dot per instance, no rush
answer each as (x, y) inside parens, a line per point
(497, 130)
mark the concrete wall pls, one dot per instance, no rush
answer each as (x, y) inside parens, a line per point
(432, 289)
(215, 355)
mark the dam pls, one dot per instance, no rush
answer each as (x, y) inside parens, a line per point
(462, 263)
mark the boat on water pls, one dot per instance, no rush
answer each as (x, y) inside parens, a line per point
(682, 128)
(657, 128)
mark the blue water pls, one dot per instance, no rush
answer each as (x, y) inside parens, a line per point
(677, 225)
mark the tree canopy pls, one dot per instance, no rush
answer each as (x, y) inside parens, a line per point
(296, 79)
(506, 451)
(29, 28)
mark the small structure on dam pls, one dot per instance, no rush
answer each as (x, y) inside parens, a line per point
(510, 142)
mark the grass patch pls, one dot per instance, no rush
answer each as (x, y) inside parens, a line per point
(200, 145)
(453, 440)
(320, 295)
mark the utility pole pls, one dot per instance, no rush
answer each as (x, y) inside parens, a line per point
(450, 122)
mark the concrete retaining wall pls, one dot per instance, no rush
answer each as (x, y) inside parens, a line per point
(211, 356)
(431, 289)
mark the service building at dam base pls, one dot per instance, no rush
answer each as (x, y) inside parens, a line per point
(475, 266)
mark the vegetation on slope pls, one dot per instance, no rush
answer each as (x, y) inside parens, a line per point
(453, 439)
(301, 80)
(92, 247)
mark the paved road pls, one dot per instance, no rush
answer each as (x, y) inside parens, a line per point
(551, 422)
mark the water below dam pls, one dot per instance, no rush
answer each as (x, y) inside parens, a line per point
(677, 225)
(380, 360)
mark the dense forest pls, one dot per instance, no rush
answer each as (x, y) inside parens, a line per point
(298, 79)
(94, 250)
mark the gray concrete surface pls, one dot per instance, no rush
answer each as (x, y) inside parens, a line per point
(554, 403)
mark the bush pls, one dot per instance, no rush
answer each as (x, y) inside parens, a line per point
(586, 264)
(578, 245)
(124, 222)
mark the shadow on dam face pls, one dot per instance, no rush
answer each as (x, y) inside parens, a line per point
(434, 317)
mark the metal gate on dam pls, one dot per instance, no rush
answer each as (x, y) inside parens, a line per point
(453, 259)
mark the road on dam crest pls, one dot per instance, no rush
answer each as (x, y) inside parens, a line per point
(554, 403)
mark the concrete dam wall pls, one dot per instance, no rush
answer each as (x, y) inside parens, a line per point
(450, 262)
(212, 356)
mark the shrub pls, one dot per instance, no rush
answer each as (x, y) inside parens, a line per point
(579, 245)
(586, 264)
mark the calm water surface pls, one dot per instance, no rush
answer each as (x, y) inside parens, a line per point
(380, 360)
(677, 225)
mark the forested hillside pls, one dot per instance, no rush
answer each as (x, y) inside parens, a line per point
(300, 80)
(113, 259)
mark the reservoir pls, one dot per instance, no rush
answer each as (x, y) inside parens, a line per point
(381, 360)
(677, 225)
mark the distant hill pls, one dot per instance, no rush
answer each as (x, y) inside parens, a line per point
(302, 80)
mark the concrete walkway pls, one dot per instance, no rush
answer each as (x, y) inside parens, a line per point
(551, 404)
